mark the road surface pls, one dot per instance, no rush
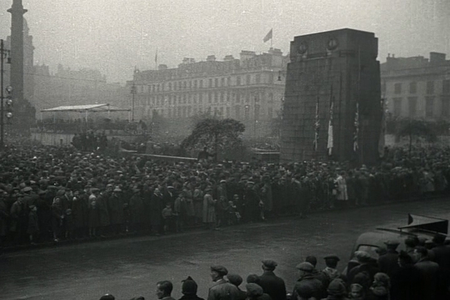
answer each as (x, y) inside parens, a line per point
(130, 267)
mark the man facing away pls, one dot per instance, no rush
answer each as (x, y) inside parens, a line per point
(271, 283)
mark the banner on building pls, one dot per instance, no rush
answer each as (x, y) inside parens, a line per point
(330, 131)
(381, 140)
(316, 127)
(356, 129)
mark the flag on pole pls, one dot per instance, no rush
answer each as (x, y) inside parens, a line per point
(330, 131)
(381, 140)
(268, 36)
(316, 127)
(356, 132)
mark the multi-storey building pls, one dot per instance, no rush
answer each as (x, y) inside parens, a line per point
(249, 89)
(417, 87)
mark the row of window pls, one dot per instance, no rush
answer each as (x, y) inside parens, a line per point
(430, 107)
(412, 87)
(237, 112)
(203, 83)
(210, 97)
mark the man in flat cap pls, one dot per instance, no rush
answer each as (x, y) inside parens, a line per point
(366, 263)
(221, 289)
(388, 262)
(306, 278)
(272, 284)
(330, 270)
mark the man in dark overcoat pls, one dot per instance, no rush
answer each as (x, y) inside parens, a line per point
(271, 283)
(388, 262)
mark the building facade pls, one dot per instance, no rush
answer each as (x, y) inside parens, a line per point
(249, 89)
(417, 87)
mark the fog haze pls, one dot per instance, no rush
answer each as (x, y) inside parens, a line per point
(114, 36)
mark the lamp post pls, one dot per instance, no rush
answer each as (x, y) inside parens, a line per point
(133, 92)
(3, 54)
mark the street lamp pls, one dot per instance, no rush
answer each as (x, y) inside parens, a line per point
(4, 54)
(133, 92)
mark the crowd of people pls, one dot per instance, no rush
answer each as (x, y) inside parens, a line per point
(55, 193)
(90, 141)
(416, 273)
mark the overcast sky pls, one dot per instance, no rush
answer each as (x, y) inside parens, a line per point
(113, 36)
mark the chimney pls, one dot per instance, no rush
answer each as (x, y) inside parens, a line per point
(437, 58)
(162, 67)
(211, 58)
(247, 54)
(228, 58)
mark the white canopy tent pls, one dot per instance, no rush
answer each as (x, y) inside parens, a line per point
(86, 108)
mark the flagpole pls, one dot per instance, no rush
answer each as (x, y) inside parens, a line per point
(271, 40)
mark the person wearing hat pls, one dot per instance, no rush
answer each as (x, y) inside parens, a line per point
(164, 290)
(251, 204)
(429, 271)
(337, 290)
(189, 289)
(236, 280)
(156, 207)
(221, 289)
(116, 213)
(388, 262)
(440, 251)
(271, 283)
(306, 277)
(365, 263)
(331, 262)
(406, 282)
(33, 224)
(107, 297)
(255, 292)
(209, 209)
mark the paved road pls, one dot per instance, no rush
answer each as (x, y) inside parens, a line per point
(131, 267)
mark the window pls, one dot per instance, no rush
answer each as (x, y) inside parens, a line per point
(258, 78)
(222, 82)
(248, 79)
(446, 87)
(200, 98)
(238, 80)
(445, 109)
(429, 106)
(397, 107)
(216, 97)
(229, 81)
(257, 110)
(216, 82)
(222, 96)
(201, 83)
(210, 97)
(210, 82)
(238, 98)
(413, 87)
(247, 98)
(270, 112)
(195, 84)
(237, 109)
(247, 112)
(170, 86)
(430, 87)
(398, 88)
(412, 105)
(228, 112)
